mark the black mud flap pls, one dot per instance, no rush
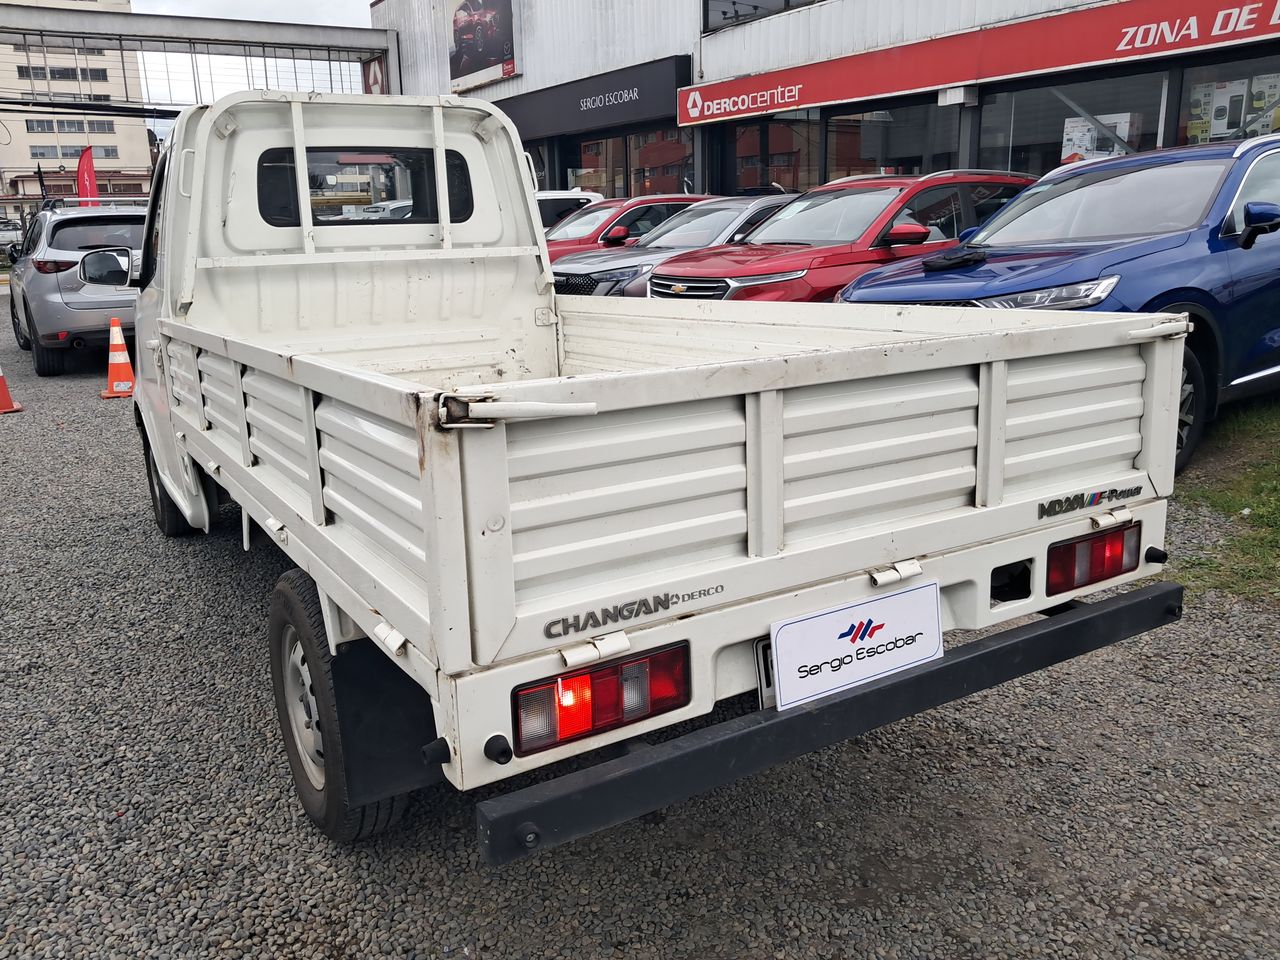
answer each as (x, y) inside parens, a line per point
(386, 720)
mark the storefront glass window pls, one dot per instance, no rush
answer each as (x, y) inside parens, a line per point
(1036, 130)
(793, 150)
(1230, 101)
(915, 139)
(661, 161)
(637, 165)
(602, 167)
(782, 151)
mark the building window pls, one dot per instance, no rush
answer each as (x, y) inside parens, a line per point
(99, 97)
(922, 138)
(1230, 101)
(95, 74)
(106, 153)
(31, 73)
(71, 153)
(781, 151)
(39, 126)
(43, 151)
(718, 14)
(1039, 129)
(636, 165)
(102, 126)
(71, 126)
(39, 48)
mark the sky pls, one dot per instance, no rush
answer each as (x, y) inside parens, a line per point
(347, 13)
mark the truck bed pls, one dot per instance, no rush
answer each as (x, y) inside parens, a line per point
(734, 454)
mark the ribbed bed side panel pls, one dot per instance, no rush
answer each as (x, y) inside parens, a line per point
(626, 493)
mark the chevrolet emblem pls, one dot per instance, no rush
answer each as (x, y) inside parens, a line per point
(678, 288)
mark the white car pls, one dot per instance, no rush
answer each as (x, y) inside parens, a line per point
(555, 205)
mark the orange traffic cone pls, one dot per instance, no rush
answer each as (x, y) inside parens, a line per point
(7, 404)
(119, 370)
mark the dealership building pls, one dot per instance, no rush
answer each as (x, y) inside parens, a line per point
(743, 96)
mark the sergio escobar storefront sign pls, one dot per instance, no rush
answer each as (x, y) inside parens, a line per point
(616, 99)
(1131, 30)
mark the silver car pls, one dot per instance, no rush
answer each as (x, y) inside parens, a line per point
(624, 271)
(52, 310)
(10, 232)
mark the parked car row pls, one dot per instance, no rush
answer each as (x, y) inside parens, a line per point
(789, 247)
(1182, 230)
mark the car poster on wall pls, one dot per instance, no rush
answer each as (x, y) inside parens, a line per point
(482, 45)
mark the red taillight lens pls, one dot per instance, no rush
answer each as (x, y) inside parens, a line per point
(1099, 556)
(53, 266)
(551, 712)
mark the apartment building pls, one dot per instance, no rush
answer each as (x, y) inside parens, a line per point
(49, 87)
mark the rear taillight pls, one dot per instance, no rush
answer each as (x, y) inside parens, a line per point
(575, 705)
(1099, 556)
(53, 266)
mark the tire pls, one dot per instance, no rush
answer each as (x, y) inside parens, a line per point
(1193, 410)
(169, 518)
(48, 363)
(301, 674)
(24, 342)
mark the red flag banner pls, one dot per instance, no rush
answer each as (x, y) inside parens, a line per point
(86, 176)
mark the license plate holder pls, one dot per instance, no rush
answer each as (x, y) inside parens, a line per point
(823, 653)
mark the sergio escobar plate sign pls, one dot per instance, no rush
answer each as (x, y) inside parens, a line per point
(823, 653)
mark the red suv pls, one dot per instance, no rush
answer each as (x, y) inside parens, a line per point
(614, 223)
(814, 246)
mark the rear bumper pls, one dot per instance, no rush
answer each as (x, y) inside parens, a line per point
(648, 778)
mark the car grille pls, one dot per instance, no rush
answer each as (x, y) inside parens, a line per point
(680, 288)
(575, 284)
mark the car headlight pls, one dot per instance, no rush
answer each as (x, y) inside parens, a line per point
(768, 278)
(621, 275)
(1069, 297)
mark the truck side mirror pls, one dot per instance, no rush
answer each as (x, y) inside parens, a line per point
(1260, 217)
(968, 234)
(108, 268)
(12, 252)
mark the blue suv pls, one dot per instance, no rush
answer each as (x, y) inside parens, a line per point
(1181, 230)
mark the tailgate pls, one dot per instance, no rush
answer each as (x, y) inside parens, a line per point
(696, 487)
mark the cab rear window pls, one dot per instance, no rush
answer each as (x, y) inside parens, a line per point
(363, 185)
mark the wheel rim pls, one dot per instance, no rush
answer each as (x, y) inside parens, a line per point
(1186, 410)
(304, 716)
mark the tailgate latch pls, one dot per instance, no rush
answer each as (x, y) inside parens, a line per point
(902, 570)
(1114, 518)
(484, 410)
(601, 648)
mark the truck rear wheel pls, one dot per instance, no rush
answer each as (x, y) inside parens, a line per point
(169, 518)
(301, 673)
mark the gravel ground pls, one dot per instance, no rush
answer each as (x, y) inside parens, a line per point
(1124, 805)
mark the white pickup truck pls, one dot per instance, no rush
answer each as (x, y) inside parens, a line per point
(531, 528)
